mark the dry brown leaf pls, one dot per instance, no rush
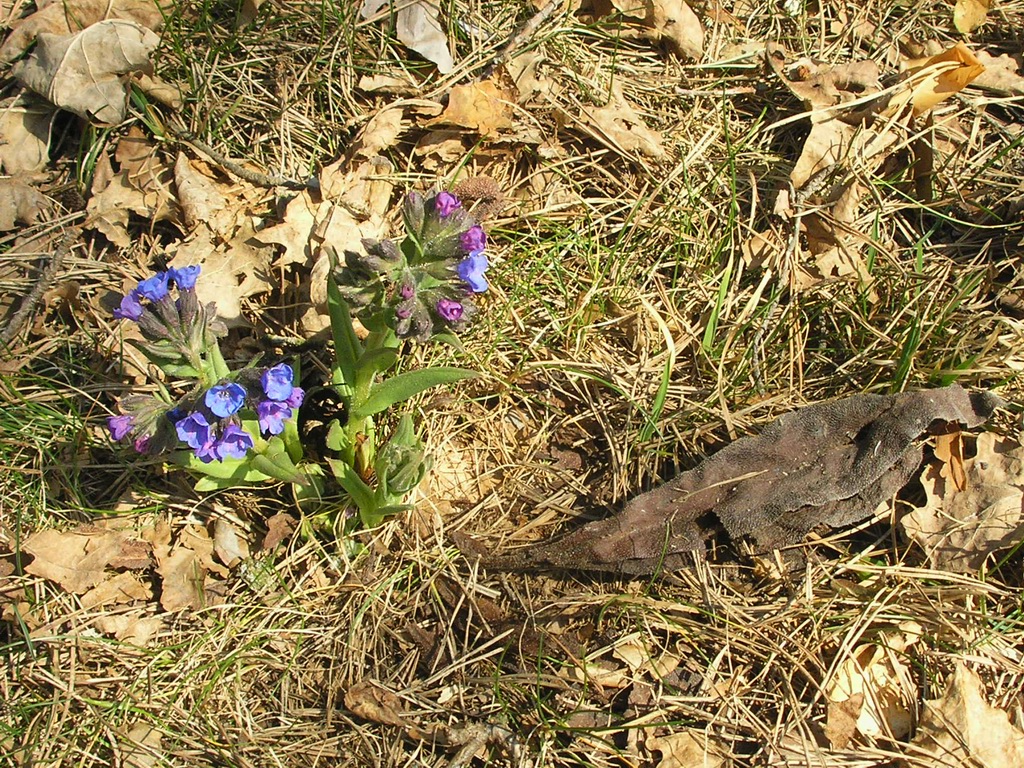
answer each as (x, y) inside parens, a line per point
(76, 560)
(143, 749)
(143, 186)
(250, 8)
(64, 18)
(418, 27)
(931, 81)
(949, 449)
(279, 529)
(440, 149)
(25, 124)
(686, 749)
(201, 201)
(182, 579)
(371, 702)
(230, 547)
(619, 125)
(876, 677)
(82, 72)
(132, 628)
(962, 728)
(1002, 74)
(19, 202)
(485, 107)
(670, 20)
(968, 15)
(380, 132)
(398, 84)
(959, 530)
(122, 588)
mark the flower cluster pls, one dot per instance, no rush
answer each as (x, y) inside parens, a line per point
(426, 286)
(181, 338)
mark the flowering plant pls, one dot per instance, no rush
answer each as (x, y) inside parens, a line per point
(241, 427)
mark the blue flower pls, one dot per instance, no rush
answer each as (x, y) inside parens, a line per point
(272, 416)
(473, 240)
(131, 307)
(296, 397)
(277, 381)
(194, 431)
(471, 269)
(234, 443)
(445, 203)
(225, 399)
(154, 288)
(450, 310)
(120, 426)
(185, 277)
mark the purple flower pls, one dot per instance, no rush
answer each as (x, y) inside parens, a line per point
(272, 415)
(141, 443)
(225, 399)
(120, 426)
(234, 443)
(194, 431)
(407, 291)
(450, 310)
(296, 397)
(154, 288)
(185, 277)
(277, 382)
(473, 240)
(471, 269)
(445, 203)
(131, 307)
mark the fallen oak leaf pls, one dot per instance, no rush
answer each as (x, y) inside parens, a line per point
(378, 705)
(949, 449)
(25, 125)
(928, 82)
(82, 72)
(19, 203)
(482, 106)
(76, 560)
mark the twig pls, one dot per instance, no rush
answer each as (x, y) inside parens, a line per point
(49, 272)
(522, 34)
(253, 177)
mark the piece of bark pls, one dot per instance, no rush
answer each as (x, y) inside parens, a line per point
(829, 464)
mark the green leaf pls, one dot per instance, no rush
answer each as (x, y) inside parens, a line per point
(275, 462)
(347, 348)
(220, 474)
(374, 361)
(406, 385)
(354, 486)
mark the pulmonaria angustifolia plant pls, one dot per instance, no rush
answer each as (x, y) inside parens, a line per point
(424, 287)
(228, 425)
(237, 427)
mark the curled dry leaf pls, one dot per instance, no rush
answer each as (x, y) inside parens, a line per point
(959, 529)
(378, 705)
(25, 125)
(685, 749)
(930, 81)
(82, 72)
(829, 464)
(1001, 75)
(619, 126)
(968, 15)
(485, 107)
(19, 202)
(418, 26)
(64, 18)
(873, 691)
(670, 20)
(962, 728)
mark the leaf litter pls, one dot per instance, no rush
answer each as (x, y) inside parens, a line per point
(220, 218)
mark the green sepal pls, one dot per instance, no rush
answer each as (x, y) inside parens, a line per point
(360, 493)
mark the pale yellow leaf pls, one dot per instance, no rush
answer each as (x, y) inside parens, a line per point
(483, 106)
(968, 15)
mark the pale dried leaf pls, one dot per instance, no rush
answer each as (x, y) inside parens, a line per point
(25, 125)
(397, 85)
(279, 529)
(182, 579)
(686, 749)
(670, 20)
(200, 199)
(622, 128)
(931, 81)
(874, 688)
(968, 15)
(949, 449)
(959, 530)
(19, 203)
(130, 628)
(60, 18)
(1002, 74)
(485, 107)
(122, 588)
(250, 8)
(962, 728)
(371, 702)
(144, 747)
(82, 72)
(230, 547)
(76, 560)
(232, 270)
(380, 132)
(418, 27)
